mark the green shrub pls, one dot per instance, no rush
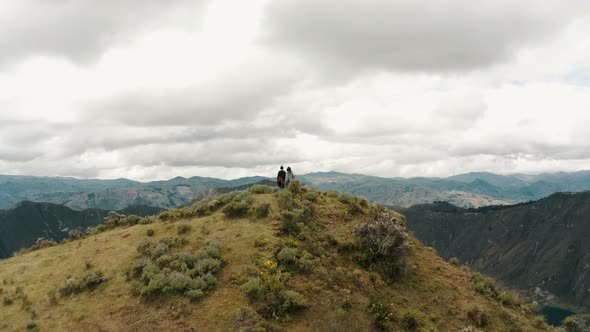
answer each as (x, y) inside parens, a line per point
(346, 199)
(247, 320)
(263, 189)
(509, 299)
(236, 209)
(150, 231)
(307, 262)
(87, 281)
(287, 256)
(382, 314)
(529, 308)
(268, 288)
(311, 196)
(75, 235)
(478, 317)
(292, 221)
(291, 300)
(254, 288)
(286, 200)
(294, 186)
(484, 285)
(385, 244)
(184, 227)
(7, 300)
(571, 324)
(171, 215)
(262, 210)
(454, 261)
(363, 202)
(355, 208)
(413, 320)
(159, 270)
(332, 193)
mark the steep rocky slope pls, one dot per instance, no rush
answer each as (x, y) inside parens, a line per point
(541, 245)
(24, 223)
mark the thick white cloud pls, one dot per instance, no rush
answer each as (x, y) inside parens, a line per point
(226, 89)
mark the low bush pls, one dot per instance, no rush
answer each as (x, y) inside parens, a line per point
(171, 215)
(311, 196)
(184, 228)
(262, 210)
(287, 256)
(286, 200)
(39, 244)
(382, 314)
(509, 299)
(294, 186)
(307, 262)
(346, 199)
(159, 270)
(263, 189)
(385, 244)
(150, 231)
(87, 281)
(268, 289)
(6, 300)
(237, 206)
(571, 324)
(484, 285)
(413, 320)
(332, 193)
(478, 317)
(454, 261)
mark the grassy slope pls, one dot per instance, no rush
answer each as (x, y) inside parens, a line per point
(338, 291)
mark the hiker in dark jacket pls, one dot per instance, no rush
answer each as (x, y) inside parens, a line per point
(281, 178)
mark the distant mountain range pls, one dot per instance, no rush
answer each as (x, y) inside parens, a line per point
(465, 190)
(541, 246)
(25, 222)
(80, 194)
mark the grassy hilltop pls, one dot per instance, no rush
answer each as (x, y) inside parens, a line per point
(297, 260)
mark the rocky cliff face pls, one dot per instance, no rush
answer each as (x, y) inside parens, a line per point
(540, 246)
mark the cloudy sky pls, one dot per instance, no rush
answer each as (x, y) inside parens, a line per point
(151, 89)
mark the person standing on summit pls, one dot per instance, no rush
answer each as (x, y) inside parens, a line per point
(281, 178)
(290, 177)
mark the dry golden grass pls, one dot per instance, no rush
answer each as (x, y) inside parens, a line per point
(338, 291)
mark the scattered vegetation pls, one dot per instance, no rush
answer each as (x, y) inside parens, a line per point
(184, 228)
(262, 189)
(40, 244)
(478, 317)
(262, 210)
(382, 314)
(87, 281)
(159, 270)
(454, 261)
(268, 290)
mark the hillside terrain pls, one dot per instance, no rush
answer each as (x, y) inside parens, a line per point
(297, 260)
(540, 246)
(24, 223)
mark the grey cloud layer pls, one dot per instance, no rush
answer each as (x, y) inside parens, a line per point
(81, 29)
(270, 104)
(404, 35)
